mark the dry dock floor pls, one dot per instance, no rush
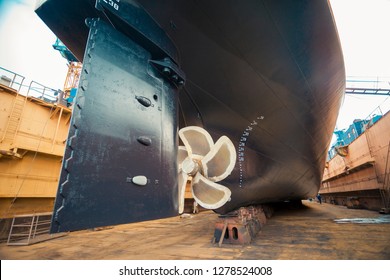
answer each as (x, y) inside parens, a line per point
(303, 234)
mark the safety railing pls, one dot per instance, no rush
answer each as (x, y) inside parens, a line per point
(34, 89)
(26, 228)
(11, 79)
(42, 92)
(368, 82)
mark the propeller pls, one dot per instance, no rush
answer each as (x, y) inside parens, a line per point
(202, 163)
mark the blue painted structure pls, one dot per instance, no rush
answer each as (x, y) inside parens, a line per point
(346, 137)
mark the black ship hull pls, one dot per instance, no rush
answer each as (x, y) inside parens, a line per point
(267, 74)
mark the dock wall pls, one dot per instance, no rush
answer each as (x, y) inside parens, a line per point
(360, 179)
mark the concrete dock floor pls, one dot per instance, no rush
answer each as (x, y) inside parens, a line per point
(310, 233)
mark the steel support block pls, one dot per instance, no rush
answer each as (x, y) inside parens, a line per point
(241, 226)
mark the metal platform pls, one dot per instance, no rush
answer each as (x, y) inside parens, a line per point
(367, 91)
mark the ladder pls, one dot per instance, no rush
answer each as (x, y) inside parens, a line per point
(14, 119)
(385, 191)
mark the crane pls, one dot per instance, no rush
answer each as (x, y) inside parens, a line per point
(74, 71)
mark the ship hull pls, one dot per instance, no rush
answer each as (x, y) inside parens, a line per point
(267, 74)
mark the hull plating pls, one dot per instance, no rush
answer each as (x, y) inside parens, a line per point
(267, 74)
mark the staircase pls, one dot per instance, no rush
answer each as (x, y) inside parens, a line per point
(29, 229)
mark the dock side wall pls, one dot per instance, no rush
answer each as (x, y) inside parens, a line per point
(357, 179)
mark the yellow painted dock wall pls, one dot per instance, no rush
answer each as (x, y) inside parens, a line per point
(360, 176)
(33, 134)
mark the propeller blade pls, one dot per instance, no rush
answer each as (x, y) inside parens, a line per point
(181, 156)
(220, 161)
(197, 141)
(182, 183)
(208, 194)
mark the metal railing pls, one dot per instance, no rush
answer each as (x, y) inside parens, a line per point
(34, 89)
(11, 79)
(26, 228)
(367, 82)
(368, 85)
(42, 92)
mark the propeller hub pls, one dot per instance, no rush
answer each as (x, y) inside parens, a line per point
(190, 166)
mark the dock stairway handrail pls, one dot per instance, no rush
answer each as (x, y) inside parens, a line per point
(25, 228)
